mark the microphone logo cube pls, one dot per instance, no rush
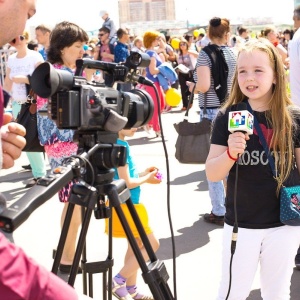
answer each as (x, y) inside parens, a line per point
(240, 121)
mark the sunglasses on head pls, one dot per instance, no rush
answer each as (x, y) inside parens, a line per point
(21, 37)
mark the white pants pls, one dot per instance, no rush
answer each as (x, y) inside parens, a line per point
(274, 249)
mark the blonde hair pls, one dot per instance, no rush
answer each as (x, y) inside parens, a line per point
(137, 39)
(281, 109)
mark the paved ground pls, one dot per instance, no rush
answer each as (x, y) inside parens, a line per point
(198, 244)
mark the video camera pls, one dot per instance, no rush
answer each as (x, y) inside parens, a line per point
(75, 103)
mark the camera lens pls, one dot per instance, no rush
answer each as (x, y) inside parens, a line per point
(141, 108)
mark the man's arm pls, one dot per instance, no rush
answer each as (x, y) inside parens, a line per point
(22, 278)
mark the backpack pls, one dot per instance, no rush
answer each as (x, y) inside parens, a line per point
(219, 70)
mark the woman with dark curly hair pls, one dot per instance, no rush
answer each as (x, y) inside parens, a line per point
(66, 46)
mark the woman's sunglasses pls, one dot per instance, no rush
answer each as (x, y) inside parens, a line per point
(21, 37)
(182, 44)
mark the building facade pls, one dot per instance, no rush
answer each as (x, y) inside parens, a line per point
(146, 10)
(140, 15)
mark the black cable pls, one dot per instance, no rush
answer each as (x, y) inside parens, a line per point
(235, 226)
(168, 194)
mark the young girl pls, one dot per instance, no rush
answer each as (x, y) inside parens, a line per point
(262, 238)
(124, 283)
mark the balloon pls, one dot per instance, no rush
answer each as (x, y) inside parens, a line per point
(201, 30)
(196, 33)
(253, 35)
(173, 97)
(175, 43)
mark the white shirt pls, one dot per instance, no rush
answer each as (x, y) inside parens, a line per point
(22, 66)
(294, 55)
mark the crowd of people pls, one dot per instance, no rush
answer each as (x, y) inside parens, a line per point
(259, 69)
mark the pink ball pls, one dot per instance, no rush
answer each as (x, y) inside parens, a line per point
(159, 176)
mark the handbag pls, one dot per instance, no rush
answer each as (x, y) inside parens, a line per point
(289, 195)
(28, 118)
(193, 141)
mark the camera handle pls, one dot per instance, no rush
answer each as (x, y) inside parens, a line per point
(155, 274)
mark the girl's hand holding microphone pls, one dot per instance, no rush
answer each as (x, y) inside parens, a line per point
(237, 143)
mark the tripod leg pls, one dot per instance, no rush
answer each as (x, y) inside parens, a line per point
(83, 259)
(80, 245)
(63, 237)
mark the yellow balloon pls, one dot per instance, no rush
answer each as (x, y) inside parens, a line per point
(173, 97)
(175, 43)
(196, 33)
(201, 30)
(253, 35)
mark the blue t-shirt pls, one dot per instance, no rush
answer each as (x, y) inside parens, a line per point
(43, 53)
(121, 52)
(135, 192)
(153, 53)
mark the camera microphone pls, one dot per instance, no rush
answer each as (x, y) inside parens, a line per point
(100, 65)
(133, 77)
(240, 119)
(79, 67)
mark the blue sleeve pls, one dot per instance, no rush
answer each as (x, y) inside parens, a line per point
(120, 54)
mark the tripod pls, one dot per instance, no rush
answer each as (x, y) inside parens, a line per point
(89, 196)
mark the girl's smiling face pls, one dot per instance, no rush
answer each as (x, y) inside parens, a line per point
(255, 76)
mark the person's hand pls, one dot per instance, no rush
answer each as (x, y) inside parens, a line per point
(13, 141)
(152, 173)
(153, 178)
(237, 143)
(150, 169)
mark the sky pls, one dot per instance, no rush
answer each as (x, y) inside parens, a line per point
(86, 13)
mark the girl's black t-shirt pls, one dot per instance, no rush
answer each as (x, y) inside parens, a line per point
(257, 202)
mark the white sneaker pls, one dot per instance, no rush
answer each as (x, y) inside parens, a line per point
(147, 129)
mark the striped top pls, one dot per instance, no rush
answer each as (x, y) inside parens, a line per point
(212, 100)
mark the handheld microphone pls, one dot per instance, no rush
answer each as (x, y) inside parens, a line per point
(240, 119)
